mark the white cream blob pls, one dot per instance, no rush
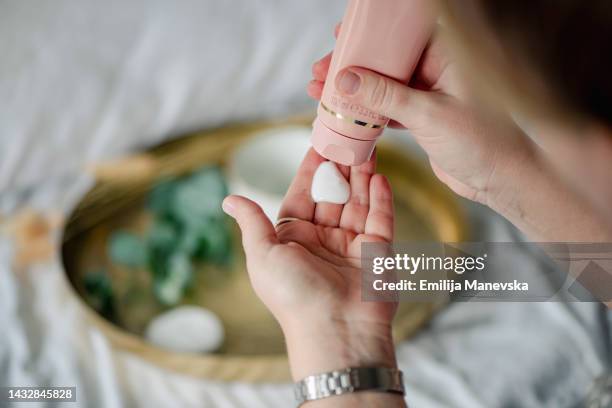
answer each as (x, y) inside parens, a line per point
(188, 329)
(329, 185)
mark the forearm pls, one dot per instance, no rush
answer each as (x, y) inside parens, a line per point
(537, 201)
(543, 206)
(323, 346)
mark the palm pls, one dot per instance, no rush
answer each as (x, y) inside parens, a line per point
(318, 253)
(326, 243)
(326, 262)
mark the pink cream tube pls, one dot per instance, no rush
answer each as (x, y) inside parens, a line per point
(386, 36)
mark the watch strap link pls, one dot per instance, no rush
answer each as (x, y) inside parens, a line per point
(379, 379)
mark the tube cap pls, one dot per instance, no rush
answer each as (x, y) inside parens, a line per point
(339, 148)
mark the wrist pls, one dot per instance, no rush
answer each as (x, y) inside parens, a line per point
(323, 345)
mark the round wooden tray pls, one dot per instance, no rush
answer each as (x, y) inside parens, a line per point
(254, 347)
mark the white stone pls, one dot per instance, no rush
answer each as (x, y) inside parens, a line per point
(189, 329)
(329, 185)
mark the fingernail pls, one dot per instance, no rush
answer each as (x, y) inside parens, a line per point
(227, 206)
(348, 82)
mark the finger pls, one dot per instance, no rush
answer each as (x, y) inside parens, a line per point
(380, 217)
(321, 68)
(395, 125)
(298, 201)
(433, 62)
(315, 89)
(410, 107)
(355, 211)
(258, 233)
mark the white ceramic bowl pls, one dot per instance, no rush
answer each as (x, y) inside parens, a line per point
(264, 165)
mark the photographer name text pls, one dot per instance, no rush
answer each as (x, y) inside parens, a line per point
(449, 285)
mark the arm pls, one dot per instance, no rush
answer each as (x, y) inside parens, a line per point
(476, 150)
(537, 201)
(308, 273)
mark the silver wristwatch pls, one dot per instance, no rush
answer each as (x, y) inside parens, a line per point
(349, 380)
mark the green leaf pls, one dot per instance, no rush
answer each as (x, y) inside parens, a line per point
(189, 241)
(214, 242)
(188, 224)
(160, 198)
(127, 249)
(170, 289)
(199, 197)
(162, 235)
(212, 180)
(99, 292)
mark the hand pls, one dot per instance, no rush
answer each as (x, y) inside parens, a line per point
(472, 150)
(307, 271)
(476, 150)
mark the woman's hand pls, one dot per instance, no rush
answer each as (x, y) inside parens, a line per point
(308, 270)
(471, 149)
(475, 149)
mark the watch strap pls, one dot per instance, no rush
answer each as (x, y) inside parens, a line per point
(354, 379)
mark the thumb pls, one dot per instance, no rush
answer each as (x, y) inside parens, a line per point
(385, 96)
(257, 231)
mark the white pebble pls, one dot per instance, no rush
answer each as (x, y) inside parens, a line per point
(189, 329)
(329, 185)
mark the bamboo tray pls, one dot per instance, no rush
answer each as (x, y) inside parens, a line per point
(254, 348)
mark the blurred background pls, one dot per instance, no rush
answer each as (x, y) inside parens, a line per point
(123, 125)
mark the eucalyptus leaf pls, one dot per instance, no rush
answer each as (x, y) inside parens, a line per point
(127, 249)
(188, 225)
(215, 242)
(171, 287)
(162, 235)
(199, 196)
(99, 292)
(160, 198)
(190, 240)
(210, 179)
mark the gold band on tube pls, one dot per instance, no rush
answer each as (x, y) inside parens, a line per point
(350, 119)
